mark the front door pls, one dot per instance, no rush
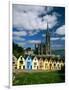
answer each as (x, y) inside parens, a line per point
(24, 67)
(28, 65)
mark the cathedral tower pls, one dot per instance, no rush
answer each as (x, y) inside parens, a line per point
(48, 47)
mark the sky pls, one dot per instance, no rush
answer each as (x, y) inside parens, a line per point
(29, 24)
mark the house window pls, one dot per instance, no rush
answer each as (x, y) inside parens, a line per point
(15, 67)
(29, 58)
(58, 66)
(21, 58)
(19, 67)
(21, 62)
(28, 63)
(54, 65)
(50, 66)
(35, 59)
(35, 63)
(28, 67)
(37, 67)
(13, 62)
(46, 65)
(41, 65)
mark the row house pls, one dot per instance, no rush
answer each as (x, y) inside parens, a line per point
(14, 62)
(21, 63)
(38, 63)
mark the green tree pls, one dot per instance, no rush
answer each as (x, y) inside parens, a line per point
(17, 50)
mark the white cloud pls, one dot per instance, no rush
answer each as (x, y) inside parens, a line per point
(29, 8)
(57, 38)
(61, 30)
(54, 38)
(26, 17)
(24, 33)
(57, 46)
(51, 19)
(20, 33)
(34, 41)
(32, 32)
(17, 38)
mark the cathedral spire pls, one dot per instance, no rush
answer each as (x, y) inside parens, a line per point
(47, 40)
(47, 27)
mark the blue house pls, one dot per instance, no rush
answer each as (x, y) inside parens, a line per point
(28, 63)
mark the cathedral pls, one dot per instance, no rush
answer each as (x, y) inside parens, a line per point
(44, 48)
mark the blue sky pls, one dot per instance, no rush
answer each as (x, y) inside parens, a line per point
(30, 25)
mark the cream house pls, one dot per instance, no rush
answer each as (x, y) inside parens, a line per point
(58, 65)
(54, 66)
(50, 64)
(46, 64)
(61, 64)
(41, 64)
(35, 63)
(21, 63)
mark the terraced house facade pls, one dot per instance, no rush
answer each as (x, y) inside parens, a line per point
(37, 63)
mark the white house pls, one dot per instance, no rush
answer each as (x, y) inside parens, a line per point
(35, 63)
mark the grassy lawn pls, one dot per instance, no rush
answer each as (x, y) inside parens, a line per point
(28, 78)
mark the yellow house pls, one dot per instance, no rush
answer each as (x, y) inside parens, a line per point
(40, 64)
(35, 63)
(21, 63)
